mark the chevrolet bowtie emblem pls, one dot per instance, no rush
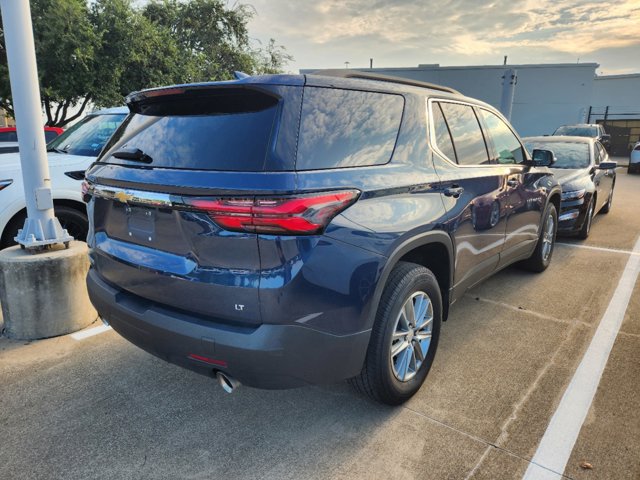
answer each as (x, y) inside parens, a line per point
(123, 196)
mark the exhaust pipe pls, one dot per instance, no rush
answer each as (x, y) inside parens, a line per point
(228, 383)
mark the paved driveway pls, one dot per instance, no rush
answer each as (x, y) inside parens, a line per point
(101, 408)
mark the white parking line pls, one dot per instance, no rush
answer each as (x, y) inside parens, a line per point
(90, 332)
(600, 249)
(558, 441)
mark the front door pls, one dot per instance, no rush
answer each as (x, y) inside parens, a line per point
(525, 197)
(475, 192)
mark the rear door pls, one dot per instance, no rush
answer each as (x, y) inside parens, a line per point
(159, 184)
(475, 191)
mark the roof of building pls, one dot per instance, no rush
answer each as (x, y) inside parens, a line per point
(437, 66)
(559, 139)
(618, 77)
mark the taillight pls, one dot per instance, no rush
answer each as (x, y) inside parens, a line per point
(86, 194)
(286, 215)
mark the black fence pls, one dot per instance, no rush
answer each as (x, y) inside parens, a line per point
(624, 127)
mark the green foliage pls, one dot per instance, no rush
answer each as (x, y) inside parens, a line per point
(99, 52)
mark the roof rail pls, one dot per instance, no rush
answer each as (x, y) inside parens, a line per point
(381, 78)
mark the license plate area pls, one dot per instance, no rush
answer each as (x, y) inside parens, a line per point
(141, 223)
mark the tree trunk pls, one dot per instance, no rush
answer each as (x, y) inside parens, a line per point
(63, 120)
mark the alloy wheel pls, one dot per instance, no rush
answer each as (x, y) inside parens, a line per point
(411, 336)
(547, 237)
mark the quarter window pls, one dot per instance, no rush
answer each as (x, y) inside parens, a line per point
(347, 128)
(443, 137)
(468, 141)
(507, 145)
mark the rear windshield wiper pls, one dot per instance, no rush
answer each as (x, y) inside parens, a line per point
(134, 154)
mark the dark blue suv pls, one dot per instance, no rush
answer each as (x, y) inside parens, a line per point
(287, 230)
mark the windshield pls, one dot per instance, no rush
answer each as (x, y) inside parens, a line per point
(9, 136)
(577, 131)
(88, 136)
(568, 155)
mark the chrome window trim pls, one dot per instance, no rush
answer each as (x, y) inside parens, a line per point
(135, 197)
(432, 138)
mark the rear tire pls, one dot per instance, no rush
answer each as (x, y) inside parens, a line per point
(541, 257)
(393, 374)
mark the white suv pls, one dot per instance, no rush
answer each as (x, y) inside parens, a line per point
(69, 156)
(634, 159)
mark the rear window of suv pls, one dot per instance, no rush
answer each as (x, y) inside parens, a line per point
(227, 129)
(347, 128)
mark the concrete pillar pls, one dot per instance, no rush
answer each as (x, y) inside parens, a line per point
(45, 295)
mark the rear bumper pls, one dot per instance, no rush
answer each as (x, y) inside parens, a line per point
(269, 356)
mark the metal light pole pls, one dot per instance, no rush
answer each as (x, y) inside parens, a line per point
(509, 80)
(41, 228)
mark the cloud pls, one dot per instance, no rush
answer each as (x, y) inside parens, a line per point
(327, 33)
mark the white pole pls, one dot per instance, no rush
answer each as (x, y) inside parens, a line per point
(509, 80)
(41, 227)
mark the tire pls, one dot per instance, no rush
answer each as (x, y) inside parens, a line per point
(540, 258)
(586, 225)
(607, 206)
(393, 379)
(74, 221)
(11, 230)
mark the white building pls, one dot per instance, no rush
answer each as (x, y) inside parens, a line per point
(546, 95)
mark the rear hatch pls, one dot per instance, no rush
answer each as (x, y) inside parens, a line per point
(182, 154)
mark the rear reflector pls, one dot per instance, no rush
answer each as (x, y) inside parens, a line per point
(286, 215)
(210, 361)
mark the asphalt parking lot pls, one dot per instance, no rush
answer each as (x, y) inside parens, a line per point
(101, 408)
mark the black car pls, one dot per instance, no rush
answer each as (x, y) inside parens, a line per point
(587, 176)
(287, 230)
(590, 130)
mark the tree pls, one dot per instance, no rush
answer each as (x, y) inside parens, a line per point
(97, 53)
(65, 50)
(271, 59)
(213, 39)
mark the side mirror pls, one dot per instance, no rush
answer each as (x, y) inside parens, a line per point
(607, 165)
(605, 137)
(542, 158)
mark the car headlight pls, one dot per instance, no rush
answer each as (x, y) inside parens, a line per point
(5, 183)
(573, 194)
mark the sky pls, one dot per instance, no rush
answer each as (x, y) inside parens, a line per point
(405, 33)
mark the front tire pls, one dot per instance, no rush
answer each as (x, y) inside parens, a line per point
(541, 257)
(404, 337)
(586, 225)
(74, 221)
(607, 207)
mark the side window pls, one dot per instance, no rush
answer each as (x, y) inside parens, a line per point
(468, 141)
(443, 136)
(597, 153)
(347, 128)
(603, 152)
(507, 145)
